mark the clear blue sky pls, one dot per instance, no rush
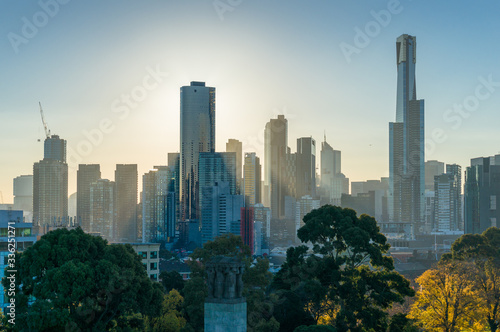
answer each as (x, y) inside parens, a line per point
(264, 58)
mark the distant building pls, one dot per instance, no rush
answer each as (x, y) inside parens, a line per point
(247, 227)
(54, 148)
(102, 208)
(233, 145)
(126, 202)
(149, 252)
(432, 168)
(482, 188)
(306, 167)
(23, 195)
(85, 176)
(197, 135)
(252, 179)
(446, 203)
(406, 143)
(275, 164)
(50, 192)
(303, 206)
(221, 211)
(158, 205)
(24, 238)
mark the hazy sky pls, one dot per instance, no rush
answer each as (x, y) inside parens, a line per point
(117, 67)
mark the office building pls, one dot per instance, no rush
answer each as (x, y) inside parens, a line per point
(85, 176)
(305, 167)
(54, 148)
(221, 211)
(432, 168)
(23, 195)
(197, 133)
(126, 203)
(330, 164)
(102, 208)
(275, 164)
(406, 140)
(158, 205)
(233, 145)
(446, 203)
(482, 187)
(303, 206)
(247, 231)
(252, 179)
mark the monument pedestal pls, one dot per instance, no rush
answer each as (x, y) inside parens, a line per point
(225, 317)
(225, 306)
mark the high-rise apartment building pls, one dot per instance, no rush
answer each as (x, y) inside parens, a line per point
(197, 135)
(126, 203)
(54, 147)
(158, 205)
(50, 184)
(102, 208)
(252, 179)
(275, 164)
(482, 189)
(305, 167)
(221, 211)
(85, 176)
(233, 145)
(23, 193)
(432, 168)
(406, 137)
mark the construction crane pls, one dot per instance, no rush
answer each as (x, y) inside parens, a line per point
(45, 127)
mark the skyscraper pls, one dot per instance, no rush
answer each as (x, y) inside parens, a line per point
(50, 184)
(197, 135)
(406, 140)
(126, 203)
(482, 188)
(102, 208)
(54, 148)
(233, 145)
(85, 176)
(330, 164)
(158, 205)
(252, 179)
(23, 193)
(306, 167)
(432, 168)
(275, 164)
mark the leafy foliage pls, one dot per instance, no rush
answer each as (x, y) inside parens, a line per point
(348, 277)
(79, 280)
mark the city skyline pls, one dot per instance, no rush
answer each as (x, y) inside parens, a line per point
(313, 88)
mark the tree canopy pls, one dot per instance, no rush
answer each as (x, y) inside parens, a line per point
(77, 280)
(347, 280)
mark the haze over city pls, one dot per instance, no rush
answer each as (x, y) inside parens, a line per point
(292, 58)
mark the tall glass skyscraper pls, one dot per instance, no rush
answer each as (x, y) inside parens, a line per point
(406, 139)
(197, 135)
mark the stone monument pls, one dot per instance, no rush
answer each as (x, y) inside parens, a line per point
(225, 306)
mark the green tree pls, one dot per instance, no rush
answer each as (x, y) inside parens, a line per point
(172, 280)
(349, 262)
(78, 280)
(171, 319)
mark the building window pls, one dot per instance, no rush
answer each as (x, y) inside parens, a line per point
(143, 254)
(493, 202)
(153, 277)
(154, 254)
(145, 265)
(493, 222)
(153, 266)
